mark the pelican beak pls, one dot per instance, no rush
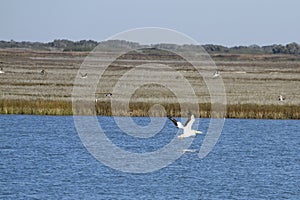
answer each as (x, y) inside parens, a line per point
(198, 132)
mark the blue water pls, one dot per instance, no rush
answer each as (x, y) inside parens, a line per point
(42, 157)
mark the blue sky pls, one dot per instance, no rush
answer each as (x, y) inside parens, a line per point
(225, 22)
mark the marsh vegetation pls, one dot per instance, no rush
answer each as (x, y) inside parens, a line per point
(252, 83)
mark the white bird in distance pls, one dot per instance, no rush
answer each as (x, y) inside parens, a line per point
(216, 74)
(281, 98)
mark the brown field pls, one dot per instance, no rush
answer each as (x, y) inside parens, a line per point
(252, 84)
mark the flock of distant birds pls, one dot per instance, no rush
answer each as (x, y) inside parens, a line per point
(217, 74)
(85, 75)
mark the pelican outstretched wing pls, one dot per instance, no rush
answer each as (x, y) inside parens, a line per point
(175, 122)
(190, 122)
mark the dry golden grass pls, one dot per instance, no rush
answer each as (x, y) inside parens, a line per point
(49, 107)
(35, 107)
(252, 84)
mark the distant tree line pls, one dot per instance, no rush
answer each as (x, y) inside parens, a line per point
(88, 45)
(64, 45)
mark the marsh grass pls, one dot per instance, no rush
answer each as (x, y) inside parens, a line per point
(252, 84)
(56, 107)
(35, 107)
(263, 111)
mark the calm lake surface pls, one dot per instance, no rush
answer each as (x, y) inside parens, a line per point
(42, 157)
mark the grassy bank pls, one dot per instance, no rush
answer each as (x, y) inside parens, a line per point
(252, 84)
(56, 107)
(35, 107)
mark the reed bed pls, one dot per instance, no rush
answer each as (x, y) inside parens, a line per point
(35, 107)
(263, 111)
(57, 107)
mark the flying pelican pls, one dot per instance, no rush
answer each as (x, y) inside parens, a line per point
(83, 75)
(216, 74)
(187, 128)
(1, 71)
(281, 98)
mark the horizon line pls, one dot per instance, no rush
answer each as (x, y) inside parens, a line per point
(216, 44)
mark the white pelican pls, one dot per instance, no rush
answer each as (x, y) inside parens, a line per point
(216, 74)
(187, 128)
(281, 98)
(1, 71)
